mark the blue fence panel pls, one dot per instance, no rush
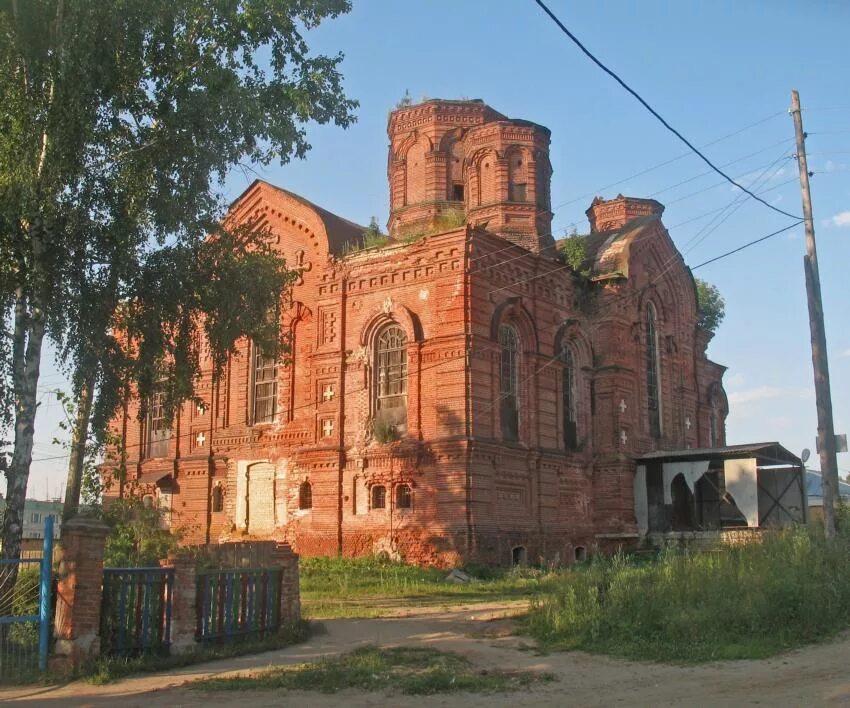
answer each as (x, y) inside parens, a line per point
(26, 611)
(237, 603)
(135, 616)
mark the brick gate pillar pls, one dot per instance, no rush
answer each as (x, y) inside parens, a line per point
(79, 592)
(184, 616)
(290, 590)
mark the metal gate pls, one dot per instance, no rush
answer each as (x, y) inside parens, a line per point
(135, 616)
(26, 610)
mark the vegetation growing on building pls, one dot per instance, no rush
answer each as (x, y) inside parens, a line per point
(711, 306)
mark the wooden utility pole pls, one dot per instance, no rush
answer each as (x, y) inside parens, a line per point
(823, 397)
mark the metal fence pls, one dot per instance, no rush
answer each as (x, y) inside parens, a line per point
(135, 616)
(237, 603)
(26, 611)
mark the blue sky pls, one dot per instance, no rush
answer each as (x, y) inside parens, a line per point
(711, 69)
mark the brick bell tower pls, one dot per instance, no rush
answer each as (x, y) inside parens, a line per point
(455, 162)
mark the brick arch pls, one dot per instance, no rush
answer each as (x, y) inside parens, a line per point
(415, 150)
(395, 314)
(482, 177)
(571, 333)
(512, 311)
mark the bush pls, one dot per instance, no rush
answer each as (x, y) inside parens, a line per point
(746, 602)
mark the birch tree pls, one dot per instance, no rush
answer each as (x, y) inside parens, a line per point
(119, 120)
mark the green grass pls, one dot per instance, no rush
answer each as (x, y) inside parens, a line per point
(107, 669)
(747, 602)
(374, 587)
(417, 671)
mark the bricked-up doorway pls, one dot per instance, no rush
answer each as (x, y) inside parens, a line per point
(260, 506)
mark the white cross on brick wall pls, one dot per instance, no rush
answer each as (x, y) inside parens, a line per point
(201, 439)
(328, 392)
(327, 428)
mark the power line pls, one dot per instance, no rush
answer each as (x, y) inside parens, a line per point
(671, 160)
(747, 245)
(655, 113)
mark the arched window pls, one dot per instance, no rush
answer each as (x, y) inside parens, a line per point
(379, 496)
(263, 388)
(519, 556)
(217, 498)
(653, 373)
(159, 427)
(569, 399)
(403, 497)
(305, 496)
(391, 378)
(509, 381)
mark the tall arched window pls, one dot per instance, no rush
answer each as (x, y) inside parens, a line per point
(509, 381)
(391, 378)
(263, 388)
(653, 373)
(569, 399)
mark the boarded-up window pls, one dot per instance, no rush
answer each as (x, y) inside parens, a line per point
(264, 388)
(508, 381)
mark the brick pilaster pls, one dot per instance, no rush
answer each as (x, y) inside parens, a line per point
(79, 592)
(290, 592)
(183, 603)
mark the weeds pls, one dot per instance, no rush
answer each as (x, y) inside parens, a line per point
(417, 671)
(359, 587)
(746, 602)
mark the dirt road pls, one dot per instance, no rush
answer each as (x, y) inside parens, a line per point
(812, 676)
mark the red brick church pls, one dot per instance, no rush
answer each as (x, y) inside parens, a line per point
(457, 391)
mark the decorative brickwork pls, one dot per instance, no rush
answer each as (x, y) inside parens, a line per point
(548, 476)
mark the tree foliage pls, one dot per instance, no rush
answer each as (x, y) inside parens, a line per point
(711, 306)
(120, 120)
(138, 535)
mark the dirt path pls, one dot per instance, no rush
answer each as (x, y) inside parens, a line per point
(812, 676)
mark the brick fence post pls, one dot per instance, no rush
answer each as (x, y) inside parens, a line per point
(290, 591)
(184, 616)
(79, 592)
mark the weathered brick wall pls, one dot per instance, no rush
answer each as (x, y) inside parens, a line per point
(474, 493)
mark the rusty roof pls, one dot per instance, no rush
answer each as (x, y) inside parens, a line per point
(769, 452)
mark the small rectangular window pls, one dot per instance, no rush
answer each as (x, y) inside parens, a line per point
(457, 192)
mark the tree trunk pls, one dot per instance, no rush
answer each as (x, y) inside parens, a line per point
(29, 335)
(79, 437)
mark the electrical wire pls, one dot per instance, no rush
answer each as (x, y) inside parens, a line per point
(655, 113)
(747, 245)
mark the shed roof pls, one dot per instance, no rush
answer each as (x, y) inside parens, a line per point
(768, 452)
